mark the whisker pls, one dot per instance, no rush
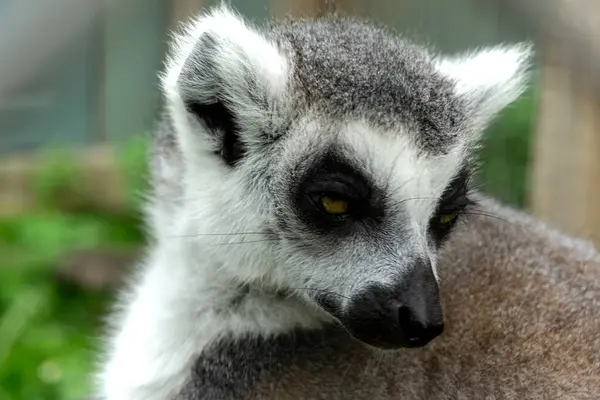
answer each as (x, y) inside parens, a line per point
(221, 234)
(246, 242)
(495, 216)
(484, 214)
(324, 291)
(417, 198)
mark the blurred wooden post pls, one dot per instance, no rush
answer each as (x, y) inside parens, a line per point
(311, 8)
(182, 10)
(565, 176)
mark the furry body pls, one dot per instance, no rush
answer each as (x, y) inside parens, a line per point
(524, 324)
(252, 288)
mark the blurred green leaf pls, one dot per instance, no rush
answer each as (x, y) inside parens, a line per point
(505, 154)
(48, 330)
(58, 175)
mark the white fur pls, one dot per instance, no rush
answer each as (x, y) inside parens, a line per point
(170, 315)
(489, 79)
(392, 155)
(179, 307)
(238, 39)
(173, 312)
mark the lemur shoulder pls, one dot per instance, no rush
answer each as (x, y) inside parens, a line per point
(315, 233)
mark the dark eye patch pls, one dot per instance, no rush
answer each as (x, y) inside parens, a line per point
(453, 202)
(337, 178)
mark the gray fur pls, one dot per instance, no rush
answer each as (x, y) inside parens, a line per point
(349, 68)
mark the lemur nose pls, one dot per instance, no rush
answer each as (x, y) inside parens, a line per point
(406, 314)
(415, 331)
(418, 307)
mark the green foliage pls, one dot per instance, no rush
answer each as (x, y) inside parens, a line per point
(59, 175)
(506, 151)
(49, 330)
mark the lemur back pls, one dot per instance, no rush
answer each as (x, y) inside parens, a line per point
(316, 235)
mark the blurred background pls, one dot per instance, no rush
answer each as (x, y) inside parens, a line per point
(78, 97)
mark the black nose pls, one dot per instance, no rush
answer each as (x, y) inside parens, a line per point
(415, 331)
(407, 314)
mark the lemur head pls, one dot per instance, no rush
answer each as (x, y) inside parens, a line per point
(346, 147)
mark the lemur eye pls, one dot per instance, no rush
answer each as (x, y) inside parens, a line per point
(334, 206)
(446, 219)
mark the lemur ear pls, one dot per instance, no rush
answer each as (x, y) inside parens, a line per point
(489, 79)
(222, 78)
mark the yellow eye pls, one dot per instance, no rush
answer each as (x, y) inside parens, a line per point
(447, 218)
(334, 206)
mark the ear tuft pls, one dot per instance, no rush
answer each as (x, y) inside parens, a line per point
(489, 79)
(221, 80)
(236, 41)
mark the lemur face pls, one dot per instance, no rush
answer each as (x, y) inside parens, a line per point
(361, 218)
(347, 146)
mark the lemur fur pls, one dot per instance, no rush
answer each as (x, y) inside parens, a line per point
(255, 287)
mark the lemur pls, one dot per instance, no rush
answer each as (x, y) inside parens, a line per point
(316, 233)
